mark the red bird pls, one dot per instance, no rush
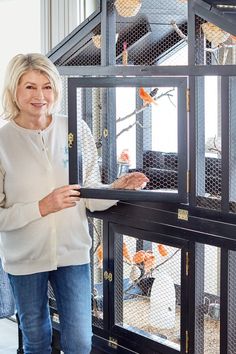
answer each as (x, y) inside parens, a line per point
(144, 95)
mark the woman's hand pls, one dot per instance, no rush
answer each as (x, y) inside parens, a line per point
(60, 198)
(133, 180)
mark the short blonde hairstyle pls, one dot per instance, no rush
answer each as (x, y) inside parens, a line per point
(20, 65)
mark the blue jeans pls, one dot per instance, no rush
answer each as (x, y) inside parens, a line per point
(72, 289)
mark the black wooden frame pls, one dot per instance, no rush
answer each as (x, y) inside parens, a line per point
(74, 168)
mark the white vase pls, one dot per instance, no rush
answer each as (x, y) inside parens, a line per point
(162, 301)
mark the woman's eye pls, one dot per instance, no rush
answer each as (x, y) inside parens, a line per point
(29, 87)
(48, 87)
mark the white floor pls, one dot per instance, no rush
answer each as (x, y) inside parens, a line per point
(8, 337)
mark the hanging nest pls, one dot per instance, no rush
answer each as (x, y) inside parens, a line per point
(214, 34)
(128, 8)
(97, 40)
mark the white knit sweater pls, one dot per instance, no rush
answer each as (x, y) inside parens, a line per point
(32, 164)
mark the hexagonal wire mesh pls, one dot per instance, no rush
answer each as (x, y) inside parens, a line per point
(231, 303)
(149, 31)
(86, 52)
(96, 232)
(147, 283)
(208, 135)
(232, 144)
(207, 282)
(146, 34)
(213, 45)
(143, 140)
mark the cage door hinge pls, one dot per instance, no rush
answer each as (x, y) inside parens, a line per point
(113, 342)
(186, 342)
(183, 214)
(70, 140)
(108, 276)
(188, 100)
(188, 181)
(187, 264)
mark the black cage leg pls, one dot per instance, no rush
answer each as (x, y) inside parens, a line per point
(20, 338)
(56, 341)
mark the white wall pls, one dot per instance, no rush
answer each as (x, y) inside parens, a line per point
(19, 31)
(37, 26)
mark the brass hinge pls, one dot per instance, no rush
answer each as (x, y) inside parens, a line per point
(105, 132)
(70, 140)
(188, 100)
(183, 214)
(108, 276)
(186, 342)
(187, 263)
(188, 181)
(113, 342)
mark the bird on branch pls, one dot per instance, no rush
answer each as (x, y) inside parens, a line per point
(146, 97)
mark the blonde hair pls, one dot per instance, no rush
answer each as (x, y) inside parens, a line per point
(20, 65)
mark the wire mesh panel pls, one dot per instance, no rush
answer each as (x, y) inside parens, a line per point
(232, 144)
(207, 307)
(149, 32)
(147, 289)
(96, 232)
(85, 51)
(213, 45)
(134, 127)
(208, 136)
(231, 304)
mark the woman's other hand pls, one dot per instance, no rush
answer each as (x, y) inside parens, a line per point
(60, 198)
(133, 180)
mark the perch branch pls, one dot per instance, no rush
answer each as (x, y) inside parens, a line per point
(221, 45)
(215, 148)
(142, 108)
(97, 233)
(136, 111)
(178, 30)
(128, 128)
(150, 272)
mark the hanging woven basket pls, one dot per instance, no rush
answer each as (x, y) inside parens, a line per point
(97, 40)
(128, 8)
(214, 34)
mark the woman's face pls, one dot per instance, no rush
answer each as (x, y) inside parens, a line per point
(34, 94)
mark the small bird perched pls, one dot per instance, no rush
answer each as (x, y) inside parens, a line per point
(154, 92)
(146, 97)
(100, 256)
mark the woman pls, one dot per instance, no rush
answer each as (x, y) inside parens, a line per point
(43, 224)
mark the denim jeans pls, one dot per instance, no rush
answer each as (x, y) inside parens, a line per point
(72, 289)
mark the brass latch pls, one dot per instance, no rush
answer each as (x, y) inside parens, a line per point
(105, 132)
(107, 276)
(183, 214)
(188, 100)
(186, 342)
(70, 140)
(113, 342)
(187, 263)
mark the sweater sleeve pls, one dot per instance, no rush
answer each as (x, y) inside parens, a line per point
(17, 215)
(91, 173)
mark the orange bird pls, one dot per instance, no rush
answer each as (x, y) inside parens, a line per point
(162, 250)
(100, 256)
(149, 261)
(146, 97)
(139, 257)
